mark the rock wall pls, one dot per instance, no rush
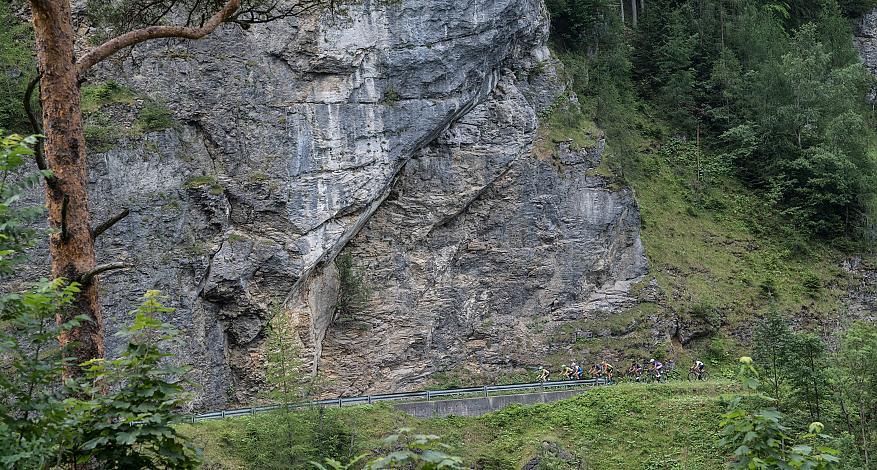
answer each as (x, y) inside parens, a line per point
(865, 40)
(482, 253)
(296, 137)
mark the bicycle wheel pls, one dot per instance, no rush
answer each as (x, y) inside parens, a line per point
(704, 375)
(692, 376)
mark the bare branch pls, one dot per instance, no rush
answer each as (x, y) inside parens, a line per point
(88, 277)
(155, 32)
(35, 124)
(97, 231)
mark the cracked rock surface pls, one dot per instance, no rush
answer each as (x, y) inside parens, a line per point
(288, 138)
(401, 133)
(483, 252)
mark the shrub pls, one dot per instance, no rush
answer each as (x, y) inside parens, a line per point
(759, 439)
(154, 117)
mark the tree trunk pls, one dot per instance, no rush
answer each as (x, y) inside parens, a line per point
(622, 12)
(633, 19)
(71, 244)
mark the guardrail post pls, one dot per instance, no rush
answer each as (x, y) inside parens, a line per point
(253, 411)
(193, 419)
(340, 402)
(485, 392)
(223, 414)
(369, 399)
(427, 395)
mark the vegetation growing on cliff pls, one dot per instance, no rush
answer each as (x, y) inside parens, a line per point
(16, 66)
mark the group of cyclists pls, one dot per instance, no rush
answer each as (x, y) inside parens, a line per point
(653, 370)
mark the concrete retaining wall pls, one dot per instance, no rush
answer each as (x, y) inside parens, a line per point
(481, 405)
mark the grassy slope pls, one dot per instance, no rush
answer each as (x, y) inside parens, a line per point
(625, 426)
(721, 251)
(730, 249)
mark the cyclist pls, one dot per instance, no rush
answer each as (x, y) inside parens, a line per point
(595, 371)
(567, 372)
(608, 369)
(657, 367)
(698, 368)
(578, 372)
(635, 370)
(543, 374)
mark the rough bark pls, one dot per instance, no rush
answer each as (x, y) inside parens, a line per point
(70, 244)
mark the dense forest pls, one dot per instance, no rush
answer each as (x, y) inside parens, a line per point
(771, 91)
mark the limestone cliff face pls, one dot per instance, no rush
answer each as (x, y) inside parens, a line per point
(865, 40)
(401, 133)
(482, 253)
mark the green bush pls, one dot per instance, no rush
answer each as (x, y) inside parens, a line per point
(760, 439)
(353, 290)
(101, 134)
(17, 67)
(94, 97)
(120, 412)
(154, 117)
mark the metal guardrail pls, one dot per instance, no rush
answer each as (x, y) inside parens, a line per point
(426, 394)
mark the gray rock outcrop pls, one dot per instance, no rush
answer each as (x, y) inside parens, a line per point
(482, 253)
(865, 40)
(294, 141)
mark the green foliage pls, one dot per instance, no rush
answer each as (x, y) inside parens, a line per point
(102, 130)
(760, 440)
(624, 426)
(565, 121)
(16, 232)
(404, 450)
(772, 341)
(583, 23)
(807, 372)
(391, 97)
(17, 67)
(101, 133)
(154, 117)
(332, 464)
(855, 376)
(264, 441)
(283, 367)
(772, 93)
(207, 181)
(36, 428)
(97, 96)
(130, 426)
(120, 415)
(353, 289)
(795, 363)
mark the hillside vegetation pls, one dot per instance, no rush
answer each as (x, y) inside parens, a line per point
(668, 426)
(745, 131)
